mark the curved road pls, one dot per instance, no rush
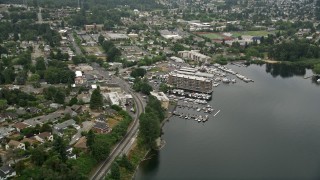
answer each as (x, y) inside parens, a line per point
(131, 133)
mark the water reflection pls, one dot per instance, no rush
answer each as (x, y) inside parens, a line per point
(150, 165)
(285, 70)
(315, 80)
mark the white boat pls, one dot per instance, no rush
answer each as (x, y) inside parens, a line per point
(246, 80)
(198, 109)
(215, 84)
(318, 81)
(225, 80)
(240, 76)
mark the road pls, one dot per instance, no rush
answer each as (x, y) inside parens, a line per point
(75, 45)
(123, 145)
(86, 126)
(40, 21)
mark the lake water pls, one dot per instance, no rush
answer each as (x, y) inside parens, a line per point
(269, 129)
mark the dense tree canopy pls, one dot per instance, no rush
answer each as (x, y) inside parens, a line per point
(138, 72)
(294, 51)
(55, 94)
(96, 100)
(17, 97)
(150, 122)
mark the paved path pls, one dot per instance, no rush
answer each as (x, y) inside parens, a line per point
(40, 21)
(75, 45)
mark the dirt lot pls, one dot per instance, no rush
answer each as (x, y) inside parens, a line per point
(93, 50)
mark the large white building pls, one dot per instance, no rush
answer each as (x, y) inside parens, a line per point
(117, 98)
(162, 98)
(194, 55)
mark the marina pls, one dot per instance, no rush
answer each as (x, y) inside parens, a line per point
(196, 112)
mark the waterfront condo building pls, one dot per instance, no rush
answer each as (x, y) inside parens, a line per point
(194, 55)
(189, 82)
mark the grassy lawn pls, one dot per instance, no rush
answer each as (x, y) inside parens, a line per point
(251, 33)
(114, 121)
(213, 36)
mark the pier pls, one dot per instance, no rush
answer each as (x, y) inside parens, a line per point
(216, 113)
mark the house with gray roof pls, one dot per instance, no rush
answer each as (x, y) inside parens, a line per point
(6, 171)
(58, 128)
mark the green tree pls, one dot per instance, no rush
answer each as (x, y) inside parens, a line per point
(73, 101)
(21, 78)
(101, 39)
(146, 88)
(149, 128)
(8, 75)
(38, 156)
(96, 100)
(177, 47)
(164, 87)
(124, 162)
(3, 104)
(59, 146)
(90, 139)
(316, 69)
(34, 78)
(45, 128)
(19, 167)
(100, 149)
(40, 64)
(138, 72)
(115, 171)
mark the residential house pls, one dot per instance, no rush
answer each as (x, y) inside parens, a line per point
(111, 112)
(76, 108)
(31, 141)
(8, 116)
(44, 136)
(69, 111)
(101, 127)
(58, 129)
(13, 144)
(4, 132)
(20, 126)
(32, 122)
(6, 171)
(33, 110)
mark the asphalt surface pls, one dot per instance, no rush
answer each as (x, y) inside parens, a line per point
(75, 45)
(40, 16)
(127, 141)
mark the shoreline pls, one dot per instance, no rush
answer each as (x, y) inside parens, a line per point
(162, 141)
